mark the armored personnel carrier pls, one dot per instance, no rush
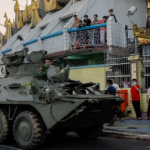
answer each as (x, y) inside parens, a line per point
(29, 105)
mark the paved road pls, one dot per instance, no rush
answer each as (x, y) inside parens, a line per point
(73, 142)
(140, 126)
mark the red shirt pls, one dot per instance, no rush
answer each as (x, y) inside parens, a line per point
(103, 28)
(135, 93)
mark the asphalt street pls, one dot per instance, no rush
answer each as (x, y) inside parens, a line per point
(73, 142)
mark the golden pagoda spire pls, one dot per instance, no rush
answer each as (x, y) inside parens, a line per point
(9, 29)
(6, 21)
(19, 19)
(35, 19)
(16, 7)
(51, 5)
(2, 40)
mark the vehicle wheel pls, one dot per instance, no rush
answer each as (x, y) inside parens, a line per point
(4, 127)
(28, 130)
(90, 134)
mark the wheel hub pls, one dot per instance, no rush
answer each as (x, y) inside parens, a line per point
(24, 131)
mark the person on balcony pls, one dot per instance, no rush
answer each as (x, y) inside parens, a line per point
(80, 25)
(95, 21)
(105, 19)
(76, 21)
(111, 14)
(87, 21)
(103, 30)
(148, 101)
(135, 98)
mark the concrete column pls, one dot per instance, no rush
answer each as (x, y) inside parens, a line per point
(136, 68)
(66, 39)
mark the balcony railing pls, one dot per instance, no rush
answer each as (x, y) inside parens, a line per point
(88, 37)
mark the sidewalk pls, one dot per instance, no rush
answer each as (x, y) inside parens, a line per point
(132, 129)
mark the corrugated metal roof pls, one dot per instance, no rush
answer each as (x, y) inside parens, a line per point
(76, 7)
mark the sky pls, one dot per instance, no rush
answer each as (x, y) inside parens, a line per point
(8, 7)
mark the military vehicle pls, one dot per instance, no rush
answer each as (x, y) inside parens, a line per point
(29, 105)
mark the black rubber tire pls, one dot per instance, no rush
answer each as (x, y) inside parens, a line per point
(5, 127)
(90, 134)
(37, 130)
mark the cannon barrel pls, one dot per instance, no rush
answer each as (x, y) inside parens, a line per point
(65, 54)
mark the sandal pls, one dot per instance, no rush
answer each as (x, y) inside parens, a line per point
(135, 118)
(139, 118)
(147, 118)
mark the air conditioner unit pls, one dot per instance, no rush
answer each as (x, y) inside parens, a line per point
(2, 71)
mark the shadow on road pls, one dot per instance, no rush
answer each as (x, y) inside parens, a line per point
(72, 142)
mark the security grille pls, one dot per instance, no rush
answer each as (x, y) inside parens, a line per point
(118, 66)
(146, 67)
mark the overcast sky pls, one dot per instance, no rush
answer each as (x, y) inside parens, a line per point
(8, 6)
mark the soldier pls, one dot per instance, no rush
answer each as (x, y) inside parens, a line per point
(43, 69)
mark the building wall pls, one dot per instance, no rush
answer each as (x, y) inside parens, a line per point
(121, 8)
(85, 75)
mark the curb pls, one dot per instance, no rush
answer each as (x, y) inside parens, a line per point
(127, 135)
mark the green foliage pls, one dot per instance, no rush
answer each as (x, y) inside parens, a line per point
(27, 84)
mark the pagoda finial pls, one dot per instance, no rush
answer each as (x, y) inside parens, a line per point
(35, 19)
(6, 21)
(16, 7)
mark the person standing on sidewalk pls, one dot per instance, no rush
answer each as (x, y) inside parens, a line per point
(148, 101)
(135, 98)
(116, 86)
(112, 91)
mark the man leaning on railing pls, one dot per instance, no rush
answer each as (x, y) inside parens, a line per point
(76, 21)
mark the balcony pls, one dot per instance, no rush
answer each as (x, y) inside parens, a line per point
(88, 37)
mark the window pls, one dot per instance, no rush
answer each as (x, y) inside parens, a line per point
(146, 66)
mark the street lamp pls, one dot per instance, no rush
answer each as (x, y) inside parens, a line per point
(131, 12)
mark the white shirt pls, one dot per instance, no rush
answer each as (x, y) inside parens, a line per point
(148, 93)
(116, 86)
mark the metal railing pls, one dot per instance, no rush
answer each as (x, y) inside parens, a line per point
(88, 38)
